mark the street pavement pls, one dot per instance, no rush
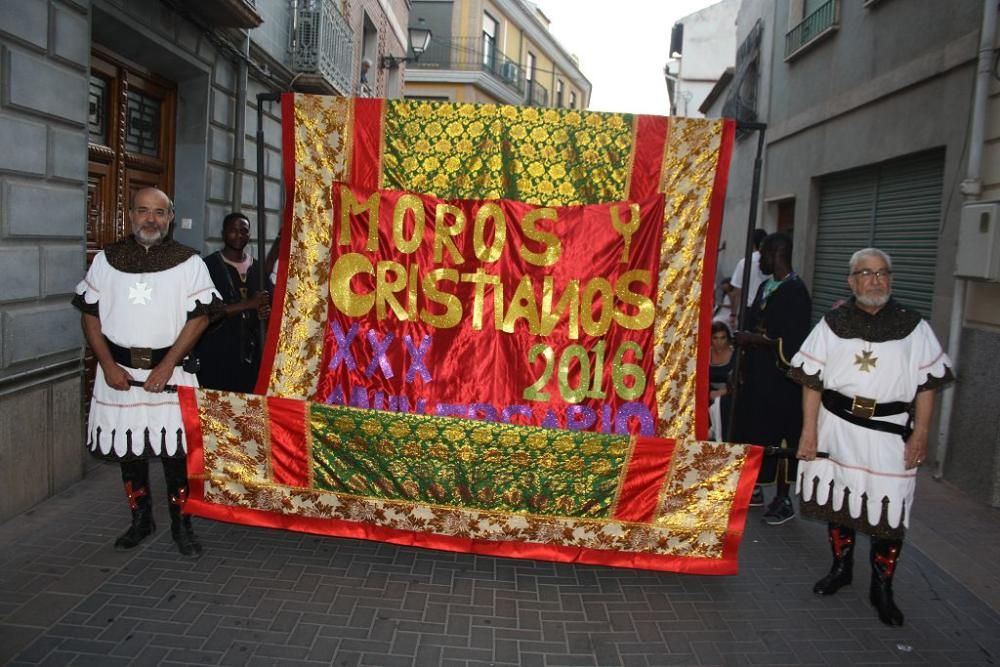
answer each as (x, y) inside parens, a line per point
(266, 597)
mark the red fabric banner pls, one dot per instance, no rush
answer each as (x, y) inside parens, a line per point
(493, 309)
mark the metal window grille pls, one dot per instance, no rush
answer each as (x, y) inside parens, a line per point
(322, 43)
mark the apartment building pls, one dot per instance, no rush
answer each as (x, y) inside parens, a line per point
(493, 51)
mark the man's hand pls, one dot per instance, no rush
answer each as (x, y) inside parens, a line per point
(747, 338)
(158, 378)
(116, 377)
(807, 445)
(915, 450)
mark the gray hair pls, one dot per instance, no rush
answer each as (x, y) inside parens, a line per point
(869, 252)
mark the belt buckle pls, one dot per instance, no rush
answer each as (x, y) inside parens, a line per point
(141, 357)
(863, 407)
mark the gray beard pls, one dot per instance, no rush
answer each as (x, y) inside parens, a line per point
(147, 241)
(873, 301)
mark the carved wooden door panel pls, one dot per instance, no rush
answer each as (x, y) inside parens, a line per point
(131, 143)
(130, 146)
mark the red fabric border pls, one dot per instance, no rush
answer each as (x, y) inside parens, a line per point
(741, 500)
(195, 445)
(647, 163)
(728, 564)
(711, 255)
(366, 163)
(290, 459)
(647, 469)
(278, 298)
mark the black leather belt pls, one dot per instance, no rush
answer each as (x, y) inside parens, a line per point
(137, 357)
(859, 411)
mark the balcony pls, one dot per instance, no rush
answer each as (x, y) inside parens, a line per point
(823, 21)
(538, 95)
(226, 13)
(468, 54)
(321, 45)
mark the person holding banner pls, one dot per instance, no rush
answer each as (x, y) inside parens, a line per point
(229, 350)
(869, 371)
(145, 301)
(769, 405)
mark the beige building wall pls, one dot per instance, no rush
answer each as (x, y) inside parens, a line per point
(455, 71)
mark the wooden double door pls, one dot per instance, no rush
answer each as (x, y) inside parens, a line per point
(130, 145)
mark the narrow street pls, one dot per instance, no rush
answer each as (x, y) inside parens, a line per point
(264, 597)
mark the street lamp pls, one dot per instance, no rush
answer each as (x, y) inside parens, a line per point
(673, 80)
(420, 39)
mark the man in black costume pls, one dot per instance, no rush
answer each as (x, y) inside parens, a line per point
(230, 349)
(769, 405)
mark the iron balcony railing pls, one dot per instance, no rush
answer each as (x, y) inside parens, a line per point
(321, 45)
(471, 54)
(821, 21)
(538, 95)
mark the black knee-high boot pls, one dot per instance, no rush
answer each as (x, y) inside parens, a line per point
(135, 475)
(175, 473)
(884, 556)
(842, 570)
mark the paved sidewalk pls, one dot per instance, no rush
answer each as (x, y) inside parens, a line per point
(265, 597)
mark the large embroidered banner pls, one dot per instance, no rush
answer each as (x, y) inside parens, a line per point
(546, 274)
(467, 485)
(542, 157)
(494, 309)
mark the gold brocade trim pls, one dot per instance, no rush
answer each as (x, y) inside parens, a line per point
(235, 433)
(323, 147)
(698, 493)
(688, 175)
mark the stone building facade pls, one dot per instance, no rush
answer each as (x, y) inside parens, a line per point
(101, 97)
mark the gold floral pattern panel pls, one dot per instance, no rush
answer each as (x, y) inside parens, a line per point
(689, 173)
(550, 157)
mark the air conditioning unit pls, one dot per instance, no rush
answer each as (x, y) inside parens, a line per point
(508, 72)
(979, 242)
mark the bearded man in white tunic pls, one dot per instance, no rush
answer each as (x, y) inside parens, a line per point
(145, 301)
(869, 372)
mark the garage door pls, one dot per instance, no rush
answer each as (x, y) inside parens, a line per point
(895, 206)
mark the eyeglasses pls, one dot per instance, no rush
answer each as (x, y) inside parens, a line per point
(157, 212)
(868, 274)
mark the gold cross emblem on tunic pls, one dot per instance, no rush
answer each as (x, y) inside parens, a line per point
(865, 361)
